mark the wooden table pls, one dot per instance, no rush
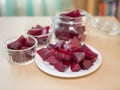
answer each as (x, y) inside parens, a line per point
(29, 77)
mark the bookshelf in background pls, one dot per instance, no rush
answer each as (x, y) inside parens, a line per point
(108, 8)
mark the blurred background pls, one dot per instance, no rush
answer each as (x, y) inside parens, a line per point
(49, 7)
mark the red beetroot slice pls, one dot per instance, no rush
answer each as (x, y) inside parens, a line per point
(52, 60)
(50, 53)
(62, 56)
(51, 46)
(86, 64)
(78, 57)
(60, 44)
(29, 42)
(60, 67)
(75, 67)
(38, 27)
(42, 52)
(74, 13)
(14, 45)
(34, 32)
(74, 43)
(89, 54)
(21, 39)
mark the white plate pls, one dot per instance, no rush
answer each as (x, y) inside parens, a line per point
(49, 69)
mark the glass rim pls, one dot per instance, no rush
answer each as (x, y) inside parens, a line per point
(5, 43)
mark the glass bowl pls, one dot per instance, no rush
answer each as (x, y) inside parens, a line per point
(42, 39)
(22, 56)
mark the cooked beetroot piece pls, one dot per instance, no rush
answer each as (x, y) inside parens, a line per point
(74, 50)
(35, 32)
(78, 57)
(74, 43)
(75, 67)
(60, 67)
(60, 44)
(68, 62)
(86, 64)
(74, 13)
(14, 45)
(38, 27)
(62, 56)
(89, 54)
(21, 39)
(51, 46)
(65, 34)
(29, 42)
(50, 53)
(47, 28)
(64, 51)
(17, 44)
(42, 52)
(52, 60)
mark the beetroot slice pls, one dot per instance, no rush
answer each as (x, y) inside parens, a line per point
(89, 54)
(42, 52)
(34, 32)
(14, 45)
(86, 64)
(75, 67)
(29, 42)
(52, 60)
(60, 67)
(78, 57)
(38, 27)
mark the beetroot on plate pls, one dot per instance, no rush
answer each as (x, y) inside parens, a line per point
(60, 67)
(52, 60)
(42, 52)
(70, 54)
(89, 54)
(75, 67)
(78, 57)
(86, 64)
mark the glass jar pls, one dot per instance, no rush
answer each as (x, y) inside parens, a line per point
(66, 28)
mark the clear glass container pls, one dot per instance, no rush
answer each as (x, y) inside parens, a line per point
(66, 28)
(22, 56)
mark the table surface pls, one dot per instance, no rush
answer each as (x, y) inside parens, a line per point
(29, 77)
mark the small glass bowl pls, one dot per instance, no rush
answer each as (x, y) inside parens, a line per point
(20, 57)
(41, 39)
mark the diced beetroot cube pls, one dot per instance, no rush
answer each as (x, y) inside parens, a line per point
(62, 56)
(14, 45)
(75, 67)
(29, 42)
(68, 62)
(47, 29)
(34, 32)
(51, 46)
(60, 67)
(73, 50)
(38, 27)
(50, 53)
(89, 54)
(52, 60)
(64, 51)
(74, 13)
(86, 64)
(74, 43)
(78, 57)
(42, 52)
(60, 44)
(21, 39)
